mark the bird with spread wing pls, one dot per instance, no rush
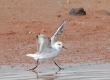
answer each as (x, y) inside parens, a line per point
(48, 48)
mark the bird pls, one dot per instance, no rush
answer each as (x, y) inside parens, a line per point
(48, 48)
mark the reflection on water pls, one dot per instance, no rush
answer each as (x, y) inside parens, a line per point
(71, 72)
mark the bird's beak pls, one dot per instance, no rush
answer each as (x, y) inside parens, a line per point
(64, 47)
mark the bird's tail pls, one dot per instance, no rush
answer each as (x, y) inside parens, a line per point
(31, 55)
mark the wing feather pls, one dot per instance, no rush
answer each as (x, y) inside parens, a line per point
(58, 32)
(43, 43)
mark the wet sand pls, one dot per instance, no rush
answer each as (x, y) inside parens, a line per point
(91, 71)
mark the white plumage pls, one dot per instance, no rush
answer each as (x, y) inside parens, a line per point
(48, 48)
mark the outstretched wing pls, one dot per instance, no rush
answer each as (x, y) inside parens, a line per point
(43, 43)
(58, 32)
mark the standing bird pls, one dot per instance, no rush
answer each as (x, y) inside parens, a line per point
(48, 48)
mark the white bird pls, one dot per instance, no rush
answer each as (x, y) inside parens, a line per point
(48, 48)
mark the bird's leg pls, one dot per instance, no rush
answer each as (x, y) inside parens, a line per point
(35, 66)
(57, 65)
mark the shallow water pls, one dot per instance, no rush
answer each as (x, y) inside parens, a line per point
(70, 72)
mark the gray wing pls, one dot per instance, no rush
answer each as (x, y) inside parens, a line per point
(58, 32)
(43, 43)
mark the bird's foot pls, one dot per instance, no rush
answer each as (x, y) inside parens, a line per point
(61, 69)
(32, 70)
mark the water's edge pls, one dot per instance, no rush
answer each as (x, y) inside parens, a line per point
(70, 72)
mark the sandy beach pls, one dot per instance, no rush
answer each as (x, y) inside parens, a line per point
(87, 37)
